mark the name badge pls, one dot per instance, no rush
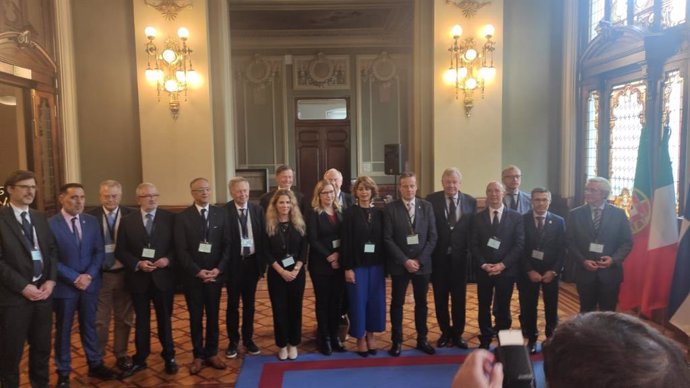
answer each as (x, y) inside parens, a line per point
(536, 254)
(247, 243)
(596, 248)
(204, 247)
(369, 248)
(109, 248)
(493, 243)
(148, 253)
(413, 239)
(36, 255)
(336, 244)
(288, 261)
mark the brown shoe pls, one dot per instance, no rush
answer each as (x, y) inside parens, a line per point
(196, 366)
(215, 362)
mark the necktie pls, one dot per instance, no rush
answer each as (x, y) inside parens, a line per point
(149, 223)
(494, 223)
(204, 225)
(28, 229)
(245, 232)
(75, 231)
(596, 219)
(540, 225)
(111, 220)
(410, 212)
(452, 217)
(513, 201)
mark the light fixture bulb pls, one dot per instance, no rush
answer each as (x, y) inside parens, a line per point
(169, 55)
(456, 31)
(193, 78)
(150, 32)
(489, 31)
(152, 75)
(470, 55)
(487, 73)
(470, 83)
(181, 76)
(171, 86)
(183, 33)
(462, 72)
(450, 77)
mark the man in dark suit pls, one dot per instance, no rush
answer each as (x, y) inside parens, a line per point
(541, 263)
(514, 198)
(335, 177)
(284, 179)
(114, 298)
(202, 240)
(409, 234)
(80, 256)
(28, 260)
(246, 224)
(498, 240)
(599, 239)
(453, 212)
(145, 247)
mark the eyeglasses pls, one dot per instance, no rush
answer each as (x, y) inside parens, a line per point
(512, 176)
(327, 192)
(149, 196)
(25, 187)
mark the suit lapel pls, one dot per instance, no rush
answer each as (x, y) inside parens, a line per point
(13, 224)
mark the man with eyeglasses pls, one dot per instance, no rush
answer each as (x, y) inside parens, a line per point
(145, 246)
(202, 240)
(28, 272)
(514, 198)
(599, 240)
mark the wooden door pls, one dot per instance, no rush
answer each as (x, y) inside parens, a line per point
(45, 156)
(321, 145)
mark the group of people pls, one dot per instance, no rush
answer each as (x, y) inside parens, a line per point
(116, 262)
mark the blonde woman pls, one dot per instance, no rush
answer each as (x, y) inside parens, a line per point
(323, 226)
(285, 249)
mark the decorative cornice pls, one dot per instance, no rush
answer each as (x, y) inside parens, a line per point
(169, 8)
(469, 7)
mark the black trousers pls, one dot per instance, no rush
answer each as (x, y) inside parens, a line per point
(502, 286)
(32, 322)
(529, 299)
(329, 291)
(241, 282)
(286, 303)
(597, 293)
(203, 298)
(450, 284)
(163, 305)
(420, 287)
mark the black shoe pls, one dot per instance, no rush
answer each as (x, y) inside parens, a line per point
(232, 351)
(459, 342)
(363, 354)
(484, 343)
(63, 381)
(337, 346)
(532, 346)
(171, 366)
(102, 372)
(325, 347)
(136, 368)
(124, 363)
(372, 352)
(425, 347)
(395, 349)
(442, 341)
(251, 348)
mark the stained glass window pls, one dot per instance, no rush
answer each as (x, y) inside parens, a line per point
(627, 109)
(673, 12)
(592, 136)
(619, 12)
(672, 116)
(643, 12)
(596, 14)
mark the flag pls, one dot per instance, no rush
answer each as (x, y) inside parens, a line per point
(663, 235)
(679, 301)
(634, 266)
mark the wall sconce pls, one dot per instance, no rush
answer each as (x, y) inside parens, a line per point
(171, 69)
(470, 69)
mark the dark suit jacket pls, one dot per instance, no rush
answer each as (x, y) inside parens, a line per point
(16, 267)
(458, 238)
(76, 258)
(552, 243)
(347, 200)
(321, 235)
(100, 216)
(188, 236)
(396, 228)
(131, 241)
(511, 234)
(357, 232)
(275, 248)
(258, 224)
(524, 202)
(614, 233)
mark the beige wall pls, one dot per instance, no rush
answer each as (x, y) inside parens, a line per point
(474, 145)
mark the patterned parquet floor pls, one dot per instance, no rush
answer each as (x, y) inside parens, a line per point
(211, 378)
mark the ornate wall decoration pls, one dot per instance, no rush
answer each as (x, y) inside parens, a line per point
(169, 8)
(469, 7)
(321, 71)
(260, 70)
